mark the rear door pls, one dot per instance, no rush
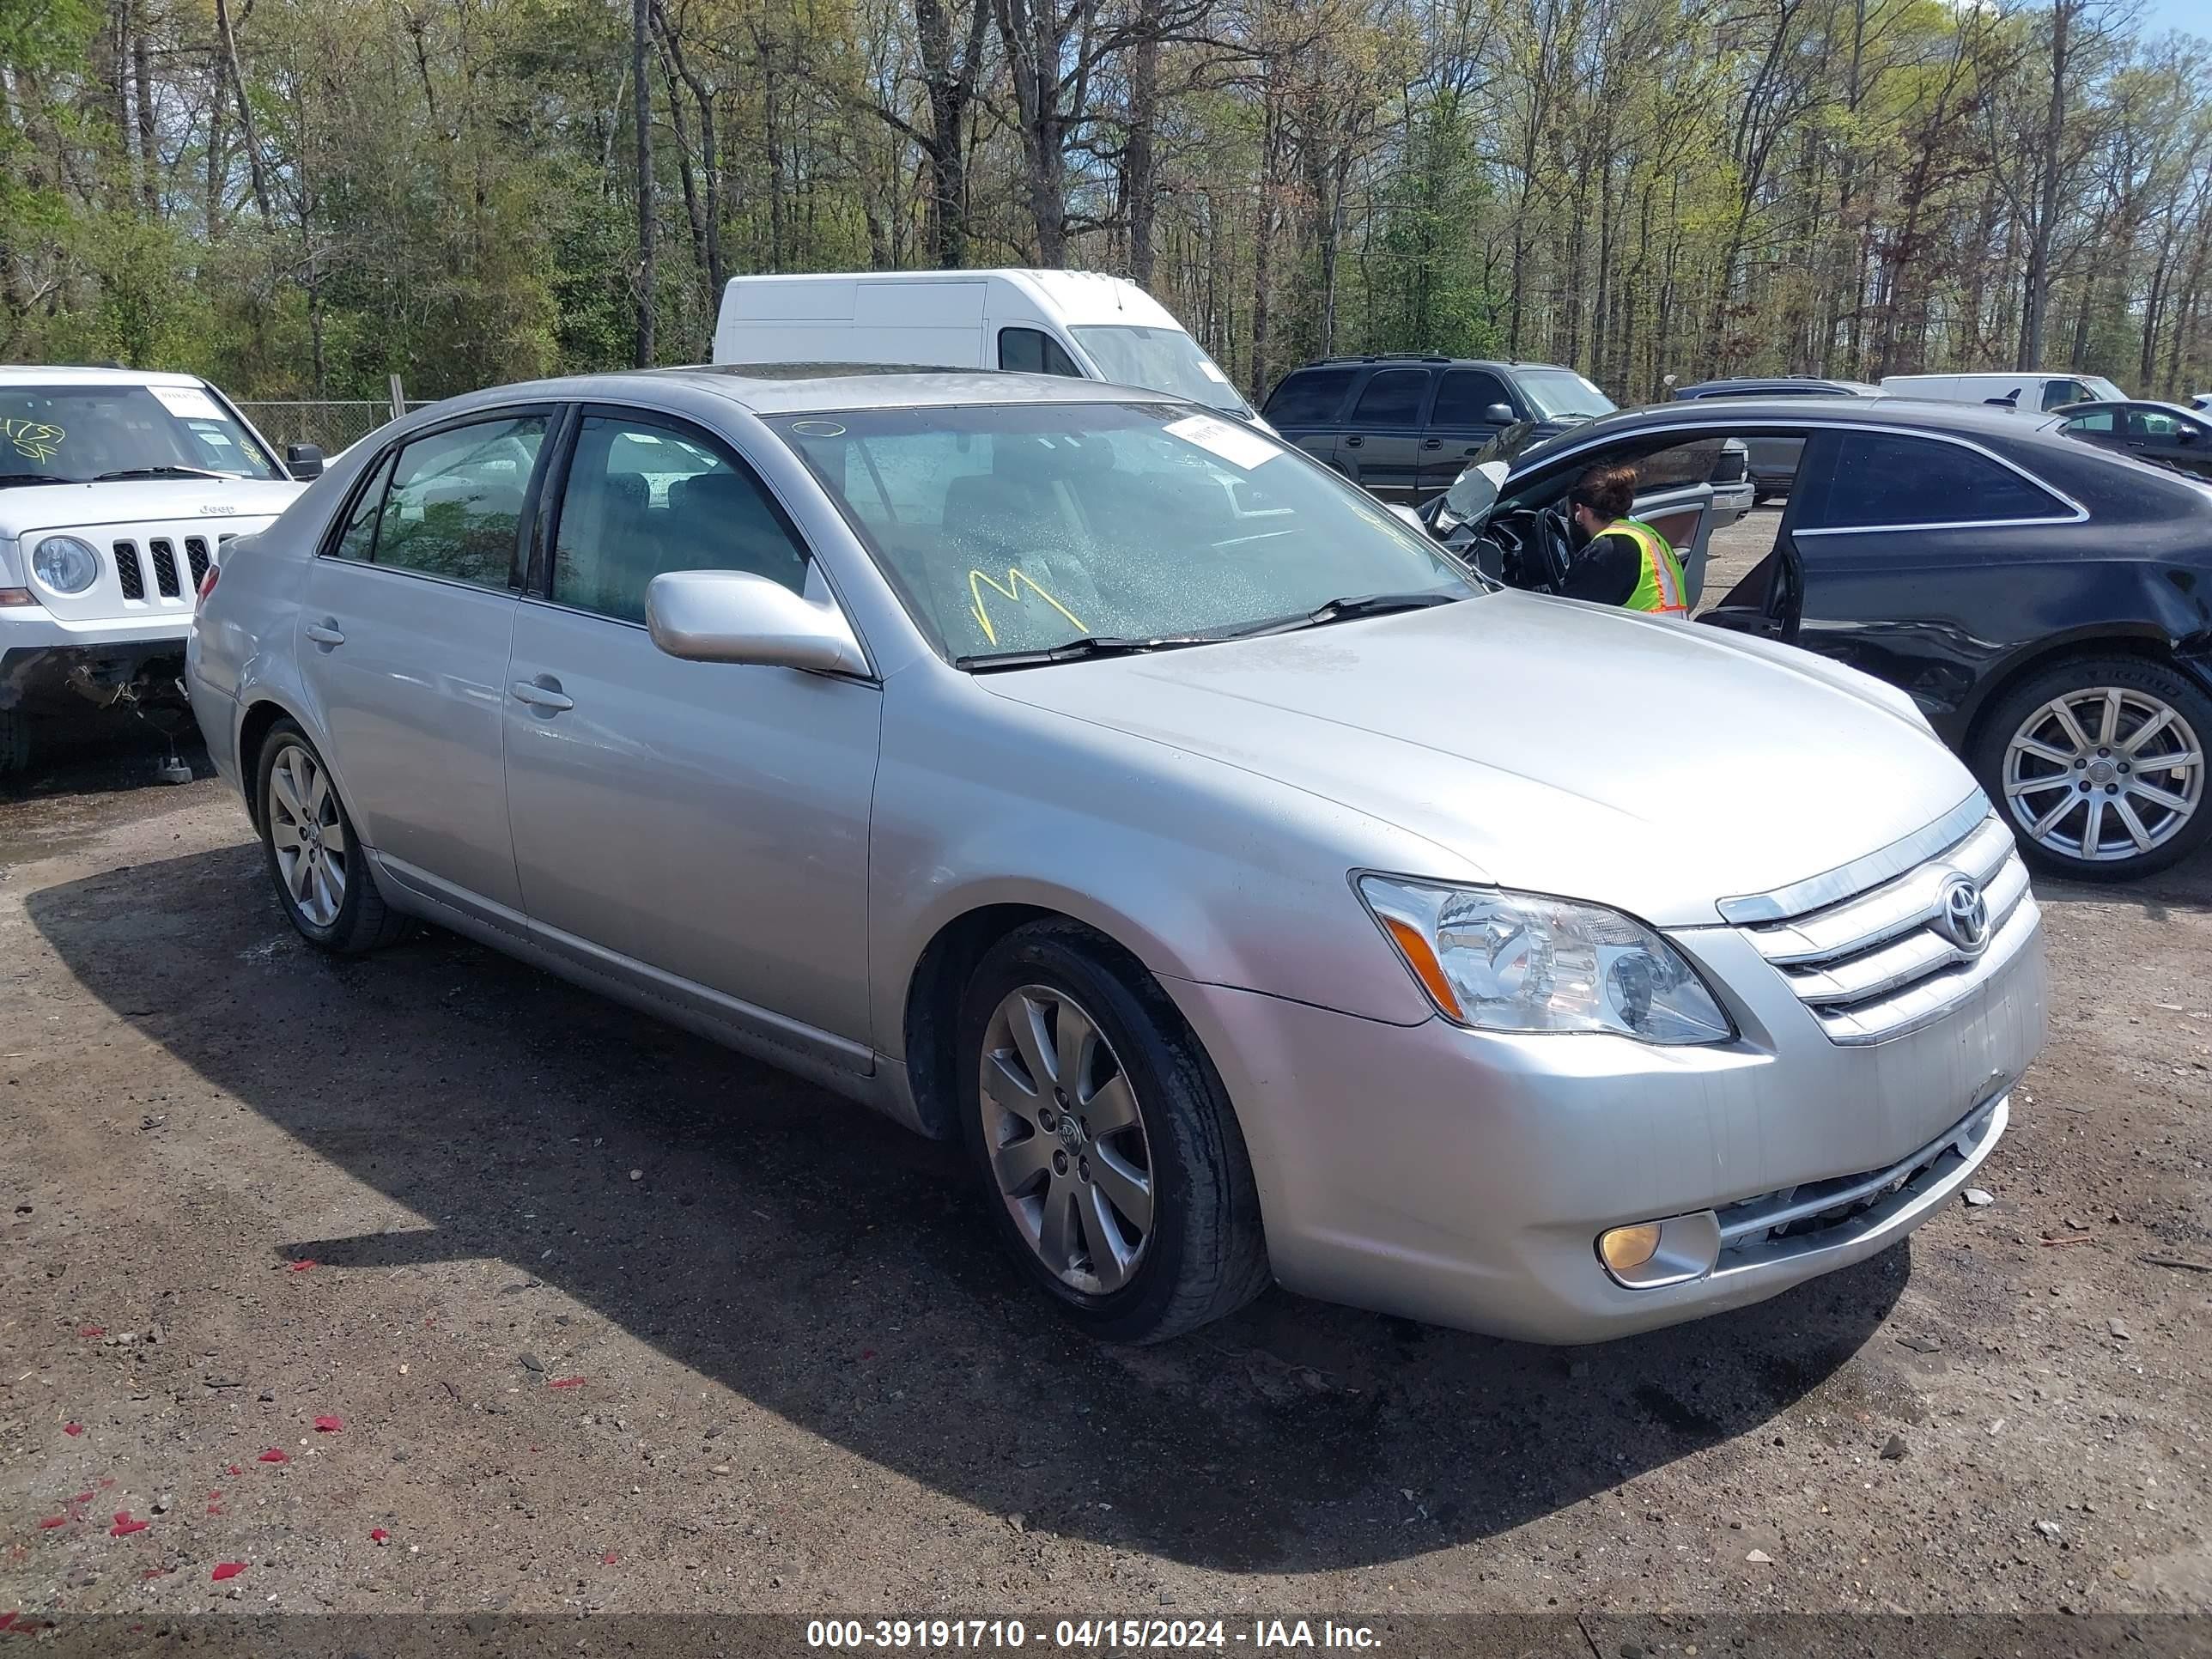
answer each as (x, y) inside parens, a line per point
(2167, 437)
(1307, 408)
(1464, 415)
(1381, 448)
(405, 628)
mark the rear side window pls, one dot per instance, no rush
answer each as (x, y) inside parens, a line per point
(1309, 397)
(2098, 420)
(357, 540)
(1883, 481)
(1464, 397)
(455, 501)
(1033, 351)
(1392, 398)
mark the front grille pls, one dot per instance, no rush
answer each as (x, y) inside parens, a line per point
(1875, 966)
(128, 574)
(164, 554)
(196, 554)
(1816, 1206)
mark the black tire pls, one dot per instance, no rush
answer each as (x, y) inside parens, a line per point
(14, 741)
(2003, 722)
(363, 923)
(1206, 1255)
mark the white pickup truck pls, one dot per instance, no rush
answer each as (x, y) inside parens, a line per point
(118, 490)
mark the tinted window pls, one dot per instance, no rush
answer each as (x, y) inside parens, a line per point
(1464, 394)
(2099, 420)
(358, 538)
(2160, 425)
(1309, 397)
(1032, 351)
(2058, 393)
(1881, 480)
(1691, 463)
(456, 501)
(642, 498)
(1392, 398)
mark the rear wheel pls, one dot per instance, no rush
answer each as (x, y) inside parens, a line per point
(314, 858)
(1110, 1159)
(2099, 766)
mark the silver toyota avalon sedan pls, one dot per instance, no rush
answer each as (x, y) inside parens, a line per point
(1258, 894)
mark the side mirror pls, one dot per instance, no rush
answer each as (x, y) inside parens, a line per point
(733, 616)
(303, 460)
(1474, 492)
(1499, 414)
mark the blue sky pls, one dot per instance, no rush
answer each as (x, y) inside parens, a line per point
(2193, 15)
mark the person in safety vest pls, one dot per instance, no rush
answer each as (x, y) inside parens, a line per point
(1624, 561)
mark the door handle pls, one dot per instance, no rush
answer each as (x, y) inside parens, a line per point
(1432, 443)
(324, 632)
(1353, 442)
(545, 692)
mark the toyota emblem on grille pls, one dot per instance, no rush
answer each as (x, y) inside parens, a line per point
(1962, 914)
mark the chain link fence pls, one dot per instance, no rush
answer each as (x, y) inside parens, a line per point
(331, 426)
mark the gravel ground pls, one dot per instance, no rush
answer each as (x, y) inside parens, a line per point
(601, 1318)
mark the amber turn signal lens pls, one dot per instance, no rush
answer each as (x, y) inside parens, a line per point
(1420, 956)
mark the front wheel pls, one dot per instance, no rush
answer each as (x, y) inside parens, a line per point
(2099, 766)
(1111, 1162)
(315, 859)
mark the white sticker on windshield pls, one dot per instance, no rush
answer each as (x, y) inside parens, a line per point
(186, 401)
(1212, 370)
(1239, 445)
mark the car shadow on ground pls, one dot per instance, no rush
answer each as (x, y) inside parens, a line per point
(836, 1270)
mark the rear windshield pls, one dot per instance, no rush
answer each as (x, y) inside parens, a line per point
(88, 433)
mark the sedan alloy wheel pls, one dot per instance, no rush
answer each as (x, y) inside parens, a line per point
(2104, 773)
(1066, 1138)
(308, 835)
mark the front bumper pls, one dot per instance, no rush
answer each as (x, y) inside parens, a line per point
(1462, 1177)
(44, 657)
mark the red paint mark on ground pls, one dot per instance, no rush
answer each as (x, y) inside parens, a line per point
(226, 1570)
(274, 1455)
(609, 1557)
(565, 1383)
(82, 1498)
(92, 1330)
(328, 1425)
(124, 1526)
(72, 1428)
(8, 1618)
(51, 1521)
(301, 1266)
(234, 1469)
(868, 1353)
(377, 1536)
(215, 1509)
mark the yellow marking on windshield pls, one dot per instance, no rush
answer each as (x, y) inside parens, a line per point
(35, 440)
(1017, 579)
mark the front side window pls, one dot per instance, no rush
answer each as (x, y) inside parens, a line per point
(1464, 398)
(1033, 351)
(2056, 394)
(94, 433)
(1883, 481)
(1009, 529)
(1159, 360)
(2160, 425)
(643, 498)
(454, 505)
(1391, 397)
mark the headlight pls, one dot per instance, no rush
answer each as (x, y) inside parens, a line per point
(66, 564)
(1501, 961)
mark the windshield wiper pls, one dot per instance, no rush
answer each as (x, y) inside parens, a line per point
(7, 479)
(1091, 645)
(166, 471)
(1353, 607)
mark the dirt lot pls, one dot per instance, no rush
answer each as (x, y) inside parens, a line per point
(612, 1319)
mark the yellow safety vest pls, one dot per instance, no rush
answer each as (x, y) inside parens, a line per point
(1660, 587)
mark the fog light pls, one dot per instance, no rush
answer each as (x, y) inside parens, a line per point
(1650, 1254)
(1625, 1249)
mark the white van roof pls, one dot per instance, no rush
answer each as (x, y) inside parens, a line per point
(1076, 297)
(69, 375)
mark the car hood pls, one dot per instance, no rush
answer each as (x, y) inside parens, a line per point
(25, 508)
(1656, 766)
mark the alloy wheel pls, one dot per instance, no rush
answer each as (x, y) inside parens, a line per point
(2104, 773)
(308, 835)
(1066, 1141)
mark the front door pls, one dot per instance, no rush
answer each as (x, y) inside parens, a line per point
(2170, 438)
(706, 822)
(1466, 414)
(405, 630)
(1381, 448)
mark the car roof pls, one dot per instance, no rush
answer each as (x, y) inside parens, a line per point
(1425, 360)
(1749, 382)
(805, 388)
(72, 374)
(1963, 420)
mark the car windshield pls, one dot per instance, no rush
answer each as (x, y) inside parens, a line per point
(1011, 528)
(1160, 360)
(81, 433)
(2103, 390)
(1560, 394)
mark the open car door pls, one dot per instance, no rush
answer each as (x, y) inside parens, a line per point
(1683, 514)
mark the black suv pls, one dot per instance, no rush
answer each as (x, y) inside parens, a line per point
(1404, 426)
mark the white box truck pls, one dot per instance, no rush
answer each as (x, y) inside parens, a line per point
(1075, 323)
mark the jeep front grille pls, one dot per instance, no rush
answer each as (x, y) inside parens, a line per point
(1877, 965)
(128, 575)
